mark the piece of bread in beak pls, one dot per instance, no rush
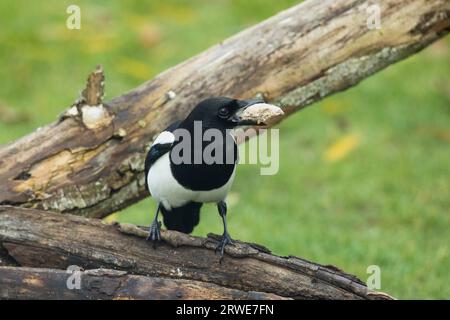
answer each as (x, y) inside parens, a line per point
(261, 113)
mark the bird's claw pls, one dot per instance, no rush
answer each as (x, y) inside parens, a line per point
(226, 239)
(154, 233)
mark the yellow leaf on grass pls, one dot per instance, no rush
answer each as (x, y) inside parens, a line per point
(149, 35)
(111, 218)
(436, 132)
(136, 69)
(177, 13)
(342, 147)
(99, 43)
(333, 107)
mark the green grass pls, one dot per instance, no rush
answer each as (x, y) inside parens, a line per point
(386, 202)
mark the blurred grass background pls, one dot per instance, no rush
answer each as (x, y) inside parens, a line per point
(364, 175)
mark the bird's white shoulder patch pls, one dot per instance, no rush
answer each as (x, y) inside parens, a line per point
(164, 137)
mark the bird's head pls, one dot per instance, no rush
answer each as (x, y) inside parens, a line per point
(228, 113)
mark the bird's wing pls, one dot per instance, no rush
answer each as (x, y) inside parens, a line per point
(160, 146)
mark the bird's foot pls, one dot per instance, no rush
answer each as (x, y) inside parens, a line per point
(154, 233)
(226, 239)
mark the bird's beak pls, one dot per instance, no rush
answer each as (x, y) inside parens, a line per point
(255, 112)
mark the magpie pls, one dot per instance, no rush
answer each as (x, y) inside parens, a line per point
(181, 187)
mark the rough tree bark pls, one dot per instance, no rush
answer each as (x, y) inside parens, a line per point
(90, 162)
(187, 265)
(38, 283)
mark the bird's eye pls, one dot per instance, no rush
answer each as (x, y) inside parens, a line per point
(223, 112)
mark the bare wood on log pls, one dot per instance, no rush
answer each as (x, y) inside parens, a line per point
(295, 58)
(39, 283)
(43, 239)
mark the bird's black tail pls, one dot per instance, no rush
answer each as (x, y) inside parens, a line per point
(183, 218)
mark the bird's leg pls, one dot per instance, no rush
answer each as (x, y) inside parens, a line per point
(155, 228)
(226, 239)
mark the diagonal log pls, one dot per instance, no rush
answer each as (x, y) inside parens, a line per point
(42, 239)
(90, 162)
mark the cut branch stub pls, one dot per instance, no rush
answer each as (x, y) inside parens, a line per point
(92, 95)
(89, 108)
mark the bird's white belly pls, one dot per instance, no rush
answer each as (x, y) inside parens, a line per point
(166, 189)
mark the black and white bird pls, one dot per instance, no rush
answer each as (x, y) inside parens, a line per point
(181, 187)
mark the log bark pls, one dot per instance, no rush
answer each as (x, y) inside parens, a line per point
(100, 284)
(90, 162)
(42, 239)
(5, 258)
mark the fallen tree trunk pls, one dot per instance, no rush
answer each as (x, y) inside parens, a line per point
(90, 162)
(96, 284)
(40, 239)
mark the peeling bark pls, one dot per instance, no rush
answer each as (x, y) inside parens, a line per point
(293, 59)
(43, 239)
